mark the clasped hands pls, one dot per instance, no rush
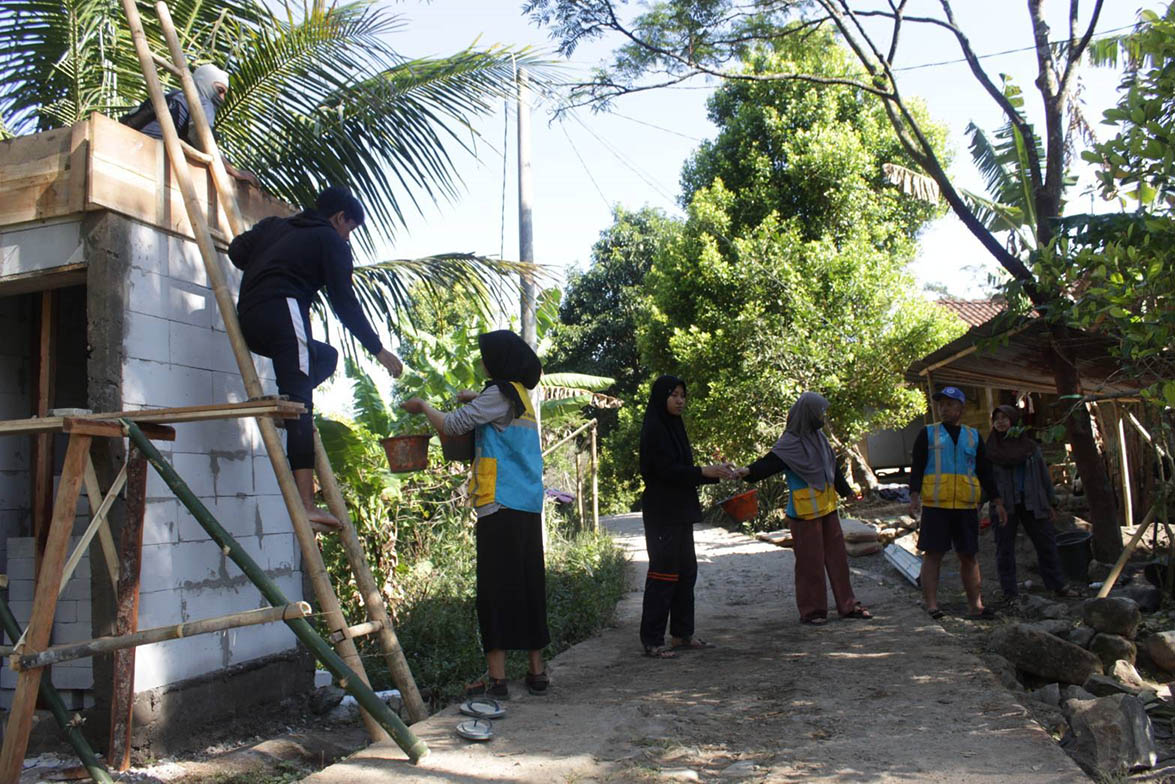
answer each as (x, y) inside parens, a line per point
(725, 470)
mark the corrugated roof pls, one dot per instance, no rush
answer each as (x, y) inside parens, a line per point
(974, 312)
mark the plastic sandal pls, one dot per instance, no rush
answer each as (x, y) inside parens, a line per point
(936, 613)
(859, 612)
(537, 683)
(692, 644)
(659, 652)
(486, 686)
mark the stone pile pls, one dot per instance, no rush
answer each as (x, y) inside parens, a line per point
(1086, 688)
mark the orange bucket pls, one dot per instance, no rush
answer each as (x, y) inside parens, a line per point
(406, 453)
(742, 507)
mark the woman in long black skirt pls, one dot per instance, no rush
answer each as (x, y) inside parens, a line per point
(506, 491)
(670, 508)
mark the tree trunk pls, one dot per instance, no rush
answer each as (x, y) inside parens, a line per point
(1107, 538)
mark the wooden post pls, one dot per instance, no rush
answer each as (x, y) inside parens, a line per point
(1126, 553)
(1124, 462)
(368, 589)
(24, 702)
(126, 614)
(595, 481)
(312, 563)
(578, 485)
(42, 446)
(99, 507)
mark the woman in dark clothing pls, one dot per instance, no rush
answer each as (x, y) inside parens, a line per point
(1023, 480)
(506, 491)
(670, 507)
(813, 480)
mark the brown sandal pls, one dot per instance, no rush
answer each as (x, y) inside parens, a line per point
(659, 652)
(858, 612)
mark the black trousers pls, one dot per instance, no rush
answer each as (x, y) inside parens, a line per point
(511, 581)
(280, 329)
(669, 585)
(1044, 539)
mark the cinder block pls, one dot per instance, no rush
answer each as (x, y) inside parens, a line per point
(160, 608)
(175, 660)
(147, 248)
(155, 571)
(38, 247)
(196, 471)
(20, 568)
(220, 435)
(193, 346)
(253, 642)
(290, 585)
(228, 388)
(238, 514)
(185, 262)
(196, 563)
(232, 473)
(190, 387)
(85, 613)
(11, 522)
(73, 677)
(190, 530)
(281, 551)
(199, 603)
(190, 304)
(22, 547)
(14, 489)
(159, 521)
(147, 293)
(78, 588)
(274, 518)
(223, 358)
(20, 590)
(64, 633)
(264, 481)
(66, 612)
(147, 337)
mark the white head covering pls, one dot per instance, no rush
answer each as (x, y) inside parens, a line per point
(205, 77)
(803, 445)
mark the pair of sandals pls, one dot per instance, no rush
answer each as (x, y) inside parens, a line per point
(860, 612)
(987, 614)
(670, 652)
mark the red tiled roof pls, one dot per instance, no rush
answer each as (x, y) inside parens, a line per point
(974, 312)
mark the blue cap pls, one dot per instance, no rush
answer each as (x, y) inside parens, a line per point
(954, 393)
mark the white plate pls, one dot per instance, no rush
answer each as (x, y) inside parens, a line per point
(475, 729)
(483, 708)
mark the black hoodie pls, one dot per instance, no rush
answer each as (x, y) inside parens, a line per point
(667, 462)
(296, 257)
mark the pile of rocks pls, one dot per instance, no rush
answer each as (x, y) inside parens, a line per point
(891, 528)
(1085, 685)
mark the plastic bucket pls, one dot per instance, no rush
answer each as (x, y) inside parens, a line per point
(406, 453)
(458, 447)
(1075, 551)
(742, 507)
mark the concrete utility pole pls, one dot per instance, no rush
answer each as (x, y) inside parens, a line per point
(525, 228)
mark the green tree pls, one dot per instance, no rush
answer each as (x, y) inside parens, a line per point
(672, 41)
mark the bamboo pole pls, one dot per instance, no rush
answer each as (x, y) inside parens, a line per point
(1120, 564)
(358, 630)
(369, 590)
(312, 562)
(100, 645)
(566, 438)
(579, 505)
(220, 176)
(52, 699)
(1124, 462)
(101, 507)
(595, 480)
(348, 678)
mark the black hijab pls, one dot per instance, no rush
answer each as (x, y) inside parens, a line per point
(507, 358)
(662, 426)
(1008, 449)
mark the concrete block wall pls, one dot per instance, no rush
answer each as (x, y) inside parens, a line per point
(15, 402)
(178, 354)
(38, 247)
(71, 622)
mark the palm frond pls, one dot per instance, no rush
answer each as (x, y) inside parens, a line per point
(370, 408)
(580, 381)
(912, 183)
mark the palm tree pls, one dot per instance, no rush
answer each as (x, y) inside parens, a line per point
(317, 96)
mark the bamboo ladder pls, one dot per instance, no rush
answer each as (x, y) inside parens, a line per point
(339, 631)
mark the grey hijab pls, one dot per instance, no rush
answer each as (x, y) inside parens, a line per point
(803, 446)
(205, 77)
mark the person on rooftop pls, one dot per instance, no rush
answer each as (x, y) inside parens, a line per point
(212, 85)
(286, 261)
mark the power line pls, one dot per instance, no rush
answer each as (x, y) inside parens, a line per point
(1106, 34)
(618, 156)
(587, 171)
(657, 127)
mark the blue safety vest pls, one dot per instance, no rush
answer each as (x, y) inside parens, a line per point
(949, 480)
(508, 464)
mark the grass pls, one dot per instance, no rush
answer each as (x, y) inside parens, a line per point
(437, 622)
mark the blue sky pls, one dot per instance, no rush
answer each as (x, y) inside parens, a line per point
(633, 156)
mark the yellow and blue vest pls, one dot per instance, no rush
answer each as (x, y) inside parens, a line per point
(949, 480)
(508, 465)
(807, 503)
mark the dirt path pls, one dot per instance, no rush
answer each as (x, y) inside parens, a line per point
(892, 700)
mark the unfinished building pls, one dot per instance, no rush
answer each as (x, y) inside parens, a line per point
(106, 304)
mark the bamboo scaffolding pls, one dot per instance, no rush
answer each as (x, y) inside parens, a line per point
(1120, 564)
(312, 561)
(52, 699)
(349, 679)
(99, 645)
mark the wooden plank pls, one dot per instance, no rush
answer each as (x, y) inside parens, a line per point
(126, 618)
(42, 443)
(24, 702)
(100, 506)
(33, 176)
(43, 280)
(284, 409)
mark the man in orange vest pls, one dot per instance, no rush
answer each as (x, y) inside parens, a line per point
(948, 470)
